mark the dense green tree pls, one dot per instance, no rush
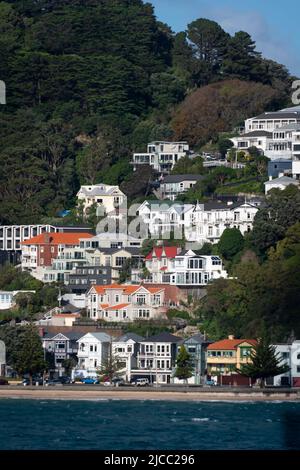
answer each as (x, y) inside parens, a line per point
(29, 358)
(241, 59)
(184, 367)
(271, 222)
(209, 42)
(264, 363)
(231, 243)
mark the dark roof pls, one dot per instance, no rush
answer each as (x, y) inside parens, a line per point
(128, 336)
(279, 115)
(132, 250)
(72, 335)
(178, 178)
(257, 134)
(162, 338)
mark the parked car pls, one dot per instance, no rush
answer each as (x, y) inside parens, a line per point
(51, 382)
(141, 382)
(35, 380)
(211, 383)
(3, 382)
(90, 380)
(117, 382)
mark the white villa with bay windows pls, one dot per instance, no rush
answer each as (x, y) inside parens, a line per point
(197, 223)
(93, 350)
(125, 303)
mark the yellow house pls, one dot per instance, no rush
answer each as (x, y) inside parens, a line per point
(223, 357)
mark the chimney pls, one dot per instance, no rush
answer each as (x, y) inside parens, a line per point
(47, 237)
(41, 332)
(231, 337)
(270, 178)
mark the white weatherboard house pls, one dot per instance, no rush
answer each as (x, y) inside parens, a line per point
(108, 197)
(171, 265)
(173, 185)
(161, 156)
(125, 350)
(93, 350)
(280, 183)
(198, 223)
(125, 303)
(289, 353)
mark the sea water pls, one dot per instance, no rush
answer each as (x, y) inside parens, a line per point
(149, 425)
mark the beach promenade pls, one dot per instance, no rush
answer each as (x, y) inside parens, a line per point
(179, 393)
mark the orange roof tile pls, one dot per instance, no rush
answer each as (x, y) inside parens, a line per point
(127, 288)
(57, 238)
(230, 343)
(117, 307)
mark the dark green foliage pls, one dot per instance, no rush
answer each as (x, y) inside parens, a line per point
(270, 223)
(89, 82)
(264, 363)
(26, 354)
(231, 243)
(184, 367)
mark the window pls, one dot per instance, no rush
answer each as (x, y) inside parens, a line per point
(120, 261)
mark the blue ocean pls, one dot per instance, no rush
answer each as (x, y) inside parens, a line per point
(149, 425)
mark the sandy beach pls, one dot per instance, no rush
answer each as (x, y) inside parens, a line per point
(149, 394)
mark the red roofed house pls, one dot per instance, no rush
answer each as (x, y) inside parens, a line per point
(161, 261)
(40, 253)
(227, 355)
(125, 303)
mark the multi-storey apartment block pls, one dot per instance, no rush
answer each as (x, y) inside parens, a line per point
(161, 156)
(49, 256)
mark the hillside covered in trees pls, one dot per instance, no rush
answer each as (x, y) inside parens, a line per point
(90, 81)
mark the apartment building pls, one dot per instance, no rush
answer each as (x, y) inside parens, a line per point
(49, 256)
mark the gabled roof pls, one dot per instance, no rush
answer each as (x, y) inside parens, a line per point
(103, 337)
(162, 251)
(129, 336)
(180, 178)
(163, 338)
(283, 180)
(117, 307)
(127, 289)
(57, 238)
(230, 344)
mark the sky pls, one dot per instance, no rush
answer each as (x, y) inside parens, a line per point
(273, 24)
